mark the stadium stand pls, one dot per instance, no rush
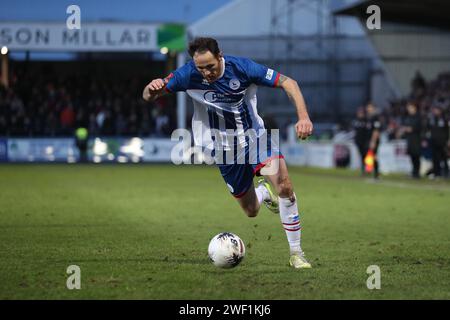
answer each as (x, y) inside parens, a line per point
(55, 106)
(426, 95)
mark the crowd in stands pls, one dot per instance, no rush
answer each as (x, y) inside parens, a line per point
(426, 96)
(422, 119)
(38, 105)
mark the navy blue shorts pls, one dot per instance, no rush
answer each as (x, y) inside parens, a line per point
(239, 175)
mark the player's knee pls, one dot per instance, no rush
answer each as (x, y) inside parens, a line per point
(251, 212)
(285, 189)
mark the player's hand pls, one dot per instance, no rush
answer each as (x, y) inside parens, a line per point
(304, 128)
(154, 89)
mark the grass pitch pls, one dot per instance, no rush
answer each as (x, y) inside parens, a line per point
(142, 232)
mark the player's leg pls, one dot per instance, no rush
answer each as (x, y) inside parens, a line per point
(239, 179)
(289, 213)
(249, 202)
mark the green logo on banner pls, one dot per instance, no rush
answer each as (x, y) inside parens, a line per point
(172, 37)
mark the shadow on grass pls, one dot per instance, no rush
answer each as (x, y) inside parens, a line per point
(163, 260)
(66, 225)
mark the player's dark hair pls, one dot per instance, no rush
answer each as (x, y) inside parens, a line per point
(202, 45)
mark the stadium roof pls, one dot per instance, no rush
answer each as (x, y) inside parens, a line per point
(256, 18)
(417, 12)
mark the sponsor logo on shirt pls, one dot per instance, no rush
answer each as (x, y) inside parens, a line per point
(269, 74)
(212, 96)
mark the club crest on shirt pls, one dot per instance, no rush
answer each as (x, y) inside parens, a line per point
(234, 84)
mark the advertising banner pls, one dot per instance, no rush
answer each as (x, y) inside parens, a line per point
(392, 155)
(47, 36)
(3, 150)
(42, 150)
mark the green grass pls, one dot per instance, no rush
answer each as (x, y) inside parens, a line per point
(141, 232)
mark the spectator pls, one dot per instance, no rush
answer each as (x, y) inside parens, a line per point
(412, 129)
(418, 86)
(81, 141)
(373, 135)
(438, 129)
(67, 119)
(360, 128)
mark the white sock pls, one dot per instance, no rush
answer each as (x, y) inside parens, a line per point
(262, 193)
(291, 223)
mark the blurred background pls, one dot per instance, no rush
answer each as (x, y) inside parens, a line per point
(75, 95)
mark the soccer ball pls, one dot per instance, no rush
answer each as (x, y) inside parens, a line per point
(226, 250)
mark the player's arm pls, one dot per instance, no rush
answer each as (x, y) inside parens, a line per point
(155, 89)
(304, 126)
